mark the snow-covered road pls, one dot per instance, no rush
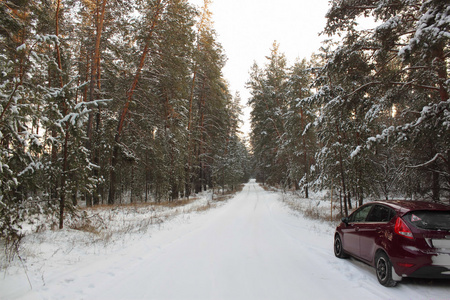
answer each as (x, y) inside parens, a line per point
(253, 247)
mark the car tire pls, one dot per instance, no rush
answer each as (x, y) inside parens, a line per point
(383, 267)
(338, 249)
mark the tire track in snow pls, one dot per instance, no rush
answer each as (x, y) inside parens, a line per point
(252, 247)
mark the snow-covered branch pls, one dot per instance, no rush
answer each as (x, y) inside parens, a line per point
(438, 155)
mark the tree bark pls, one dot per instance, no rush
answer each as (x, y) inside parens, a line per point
(94, 91)
(123, 114)
(440, 56)
(66, 135)
(341, 168)
(305, 153)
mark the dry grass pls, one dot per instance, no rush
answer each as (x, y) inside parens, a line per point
(316, 209)
(106, 220)
(205, 207)
(267, 188)
(108, 225)
(174, 203)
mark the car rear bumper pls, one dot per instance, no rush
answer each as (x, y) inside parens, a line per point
(431, 272)
(423, 265)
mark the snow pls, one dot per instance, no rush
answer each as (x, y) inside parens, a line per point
(21, 48)
(355, 152)
(254, 246)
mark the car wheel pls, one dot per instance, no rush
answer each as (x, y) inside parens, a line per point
(383, 267)
(338, 249)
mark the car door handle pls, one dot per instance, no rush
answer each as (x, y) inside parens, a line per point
(356, 228)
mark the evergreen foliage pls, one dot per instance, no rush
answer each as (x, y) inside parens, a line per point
(283, 143)
(376, 115)
(110, 101)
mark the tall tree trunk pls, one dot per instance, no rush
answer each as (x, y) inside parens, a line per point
(305, 152)
(66, 136)
(63, 179)
(349, 199)
(341, 169)
(443, 92)
(435, 186)
(190, 177)
(114, 160)
(447, 162)
(441, 57)
(94, 93)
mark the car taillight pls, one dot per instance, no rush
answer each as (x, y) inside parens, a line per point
(406, 265)
(402, 229)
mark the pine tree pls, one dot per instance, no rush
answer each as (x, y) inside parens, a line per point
(41, 121)
(109, 98)
(208, 113)
(268, 88)
(154, 18)
(406, 72)
(231, 162)
(300, 141)
(15, 114)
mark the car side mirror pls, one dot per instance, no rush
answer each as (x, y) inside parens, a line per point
(345, 221)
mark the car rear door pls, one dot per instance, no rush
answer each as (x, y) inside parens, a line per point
(351, 232)
(373, 230)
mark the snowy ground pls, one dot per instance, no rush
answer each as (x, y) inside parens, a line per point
(254, 246)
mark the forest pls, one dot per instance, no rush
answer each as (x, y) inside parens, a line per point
(368, 115)
(113, 101)
(105, 102)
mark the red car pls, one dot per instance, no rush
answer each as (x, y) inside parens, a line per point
(398, 238)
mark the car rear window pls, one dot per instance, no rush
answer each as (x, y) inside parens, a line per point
(432, 220)
(380, 213)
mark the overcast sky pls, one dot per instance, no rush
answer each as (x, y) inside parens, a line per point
(247, 29)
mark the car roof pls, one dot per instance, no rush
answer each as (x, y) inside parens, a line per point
(405, 206)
